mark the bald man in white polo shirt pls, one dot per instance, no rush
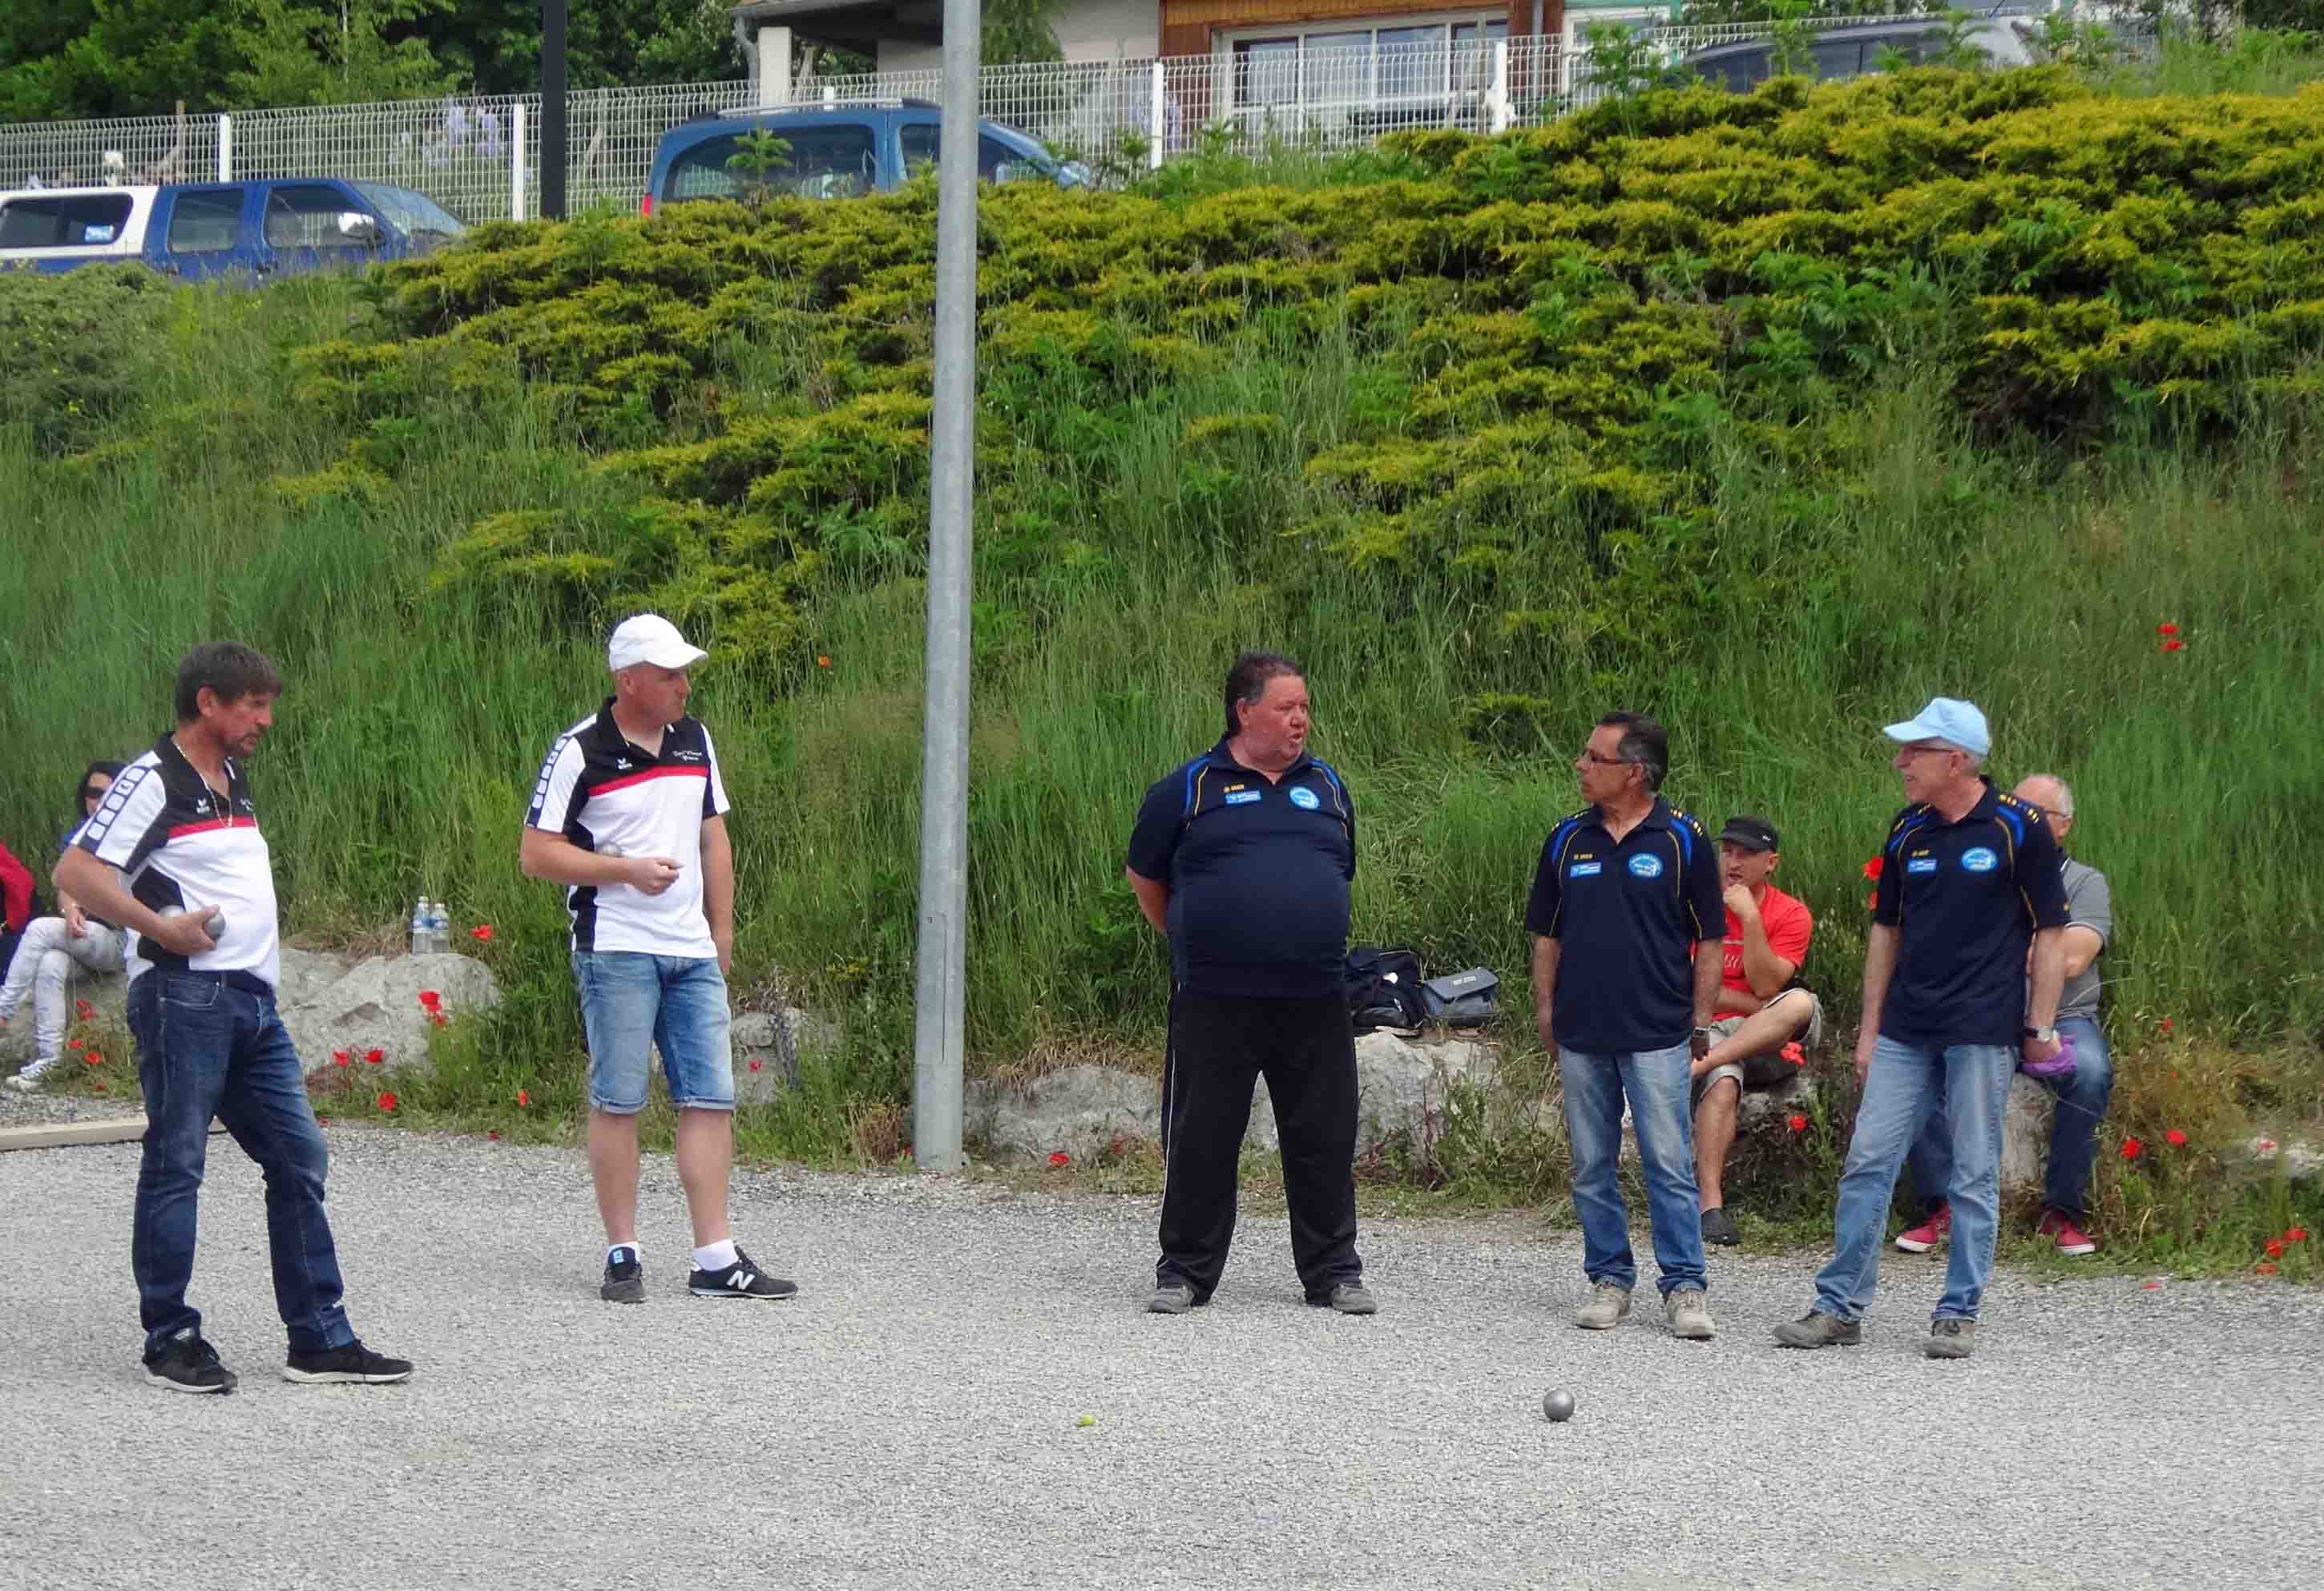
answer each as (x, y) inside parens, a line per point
(630, 815)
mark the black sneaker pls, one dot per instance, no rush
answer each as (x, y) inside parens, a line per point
(1718, 1228)
(741, 1280)
(625, 1278)
(186, 1364)
(351, 1362)
(1349, 1298)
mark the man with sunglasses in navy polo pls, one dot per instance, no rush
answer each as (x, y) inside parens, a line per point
(1969, 882)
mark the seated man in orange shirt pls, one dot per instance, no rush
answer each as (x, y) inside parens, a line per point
(1764, 1023)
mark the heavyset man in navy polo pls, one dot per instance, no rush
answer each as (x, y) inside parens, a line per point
(630, 815)
(1969, 883)
(181, 829)
(1627, 912)
(1243, 858)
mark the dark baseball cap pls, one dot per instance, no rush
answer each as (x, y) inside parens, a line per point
(1753, 834)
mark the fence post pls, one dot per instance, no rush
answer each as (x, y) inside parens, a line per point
(516, 161)
(1157, 129)
(1497, 98)
(226, 149)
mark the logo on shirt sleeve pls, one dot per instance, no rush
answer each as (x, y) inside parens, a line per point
(1643, 865)
(1979, 859)
(1304, 799)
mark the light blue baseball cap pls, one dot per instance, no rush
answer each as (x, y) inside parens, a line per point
(1956, 723)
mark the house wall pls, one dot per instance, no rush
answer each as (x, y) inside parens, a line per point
(1187, 25)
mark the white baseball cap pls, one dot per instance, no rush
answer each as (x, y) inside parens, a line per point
(649, 638)
(1946, 718)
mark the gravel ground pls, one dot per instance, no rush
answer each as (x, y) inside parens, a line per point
(915, 1417)
(44, 1109)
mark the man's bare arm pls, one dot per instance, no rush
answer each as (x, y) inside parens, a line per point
(1544, 986)
(98, 884)
(1153, 898)
(718, 889)
(552, 856)
(1879, 963)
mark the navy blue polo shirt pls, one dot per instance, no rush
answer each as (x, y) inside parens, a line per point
(1258, 873)
(1965, 899)
(1627, 918)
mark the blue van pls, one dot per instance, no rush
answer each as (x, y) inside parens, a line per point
(836, 151)
(196, 230)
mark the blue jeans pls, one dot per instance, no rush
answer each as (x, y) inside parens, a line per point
(2073, 1129)
(1655, 1081)
(1907, 1085)
(210, 1044)
(631, 1002)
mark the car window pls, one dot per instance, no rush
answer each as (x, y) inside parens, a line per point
(415, 215)
(995, 160)
(80, 220)
(307, 216)
(818, 163)
(205, 220)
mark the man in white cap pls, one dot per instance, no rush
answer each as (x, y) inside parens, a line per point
(1968, 881)
(630, 815)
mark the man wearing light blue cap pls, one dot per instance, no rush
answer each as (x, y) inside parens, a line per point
(1969, 879)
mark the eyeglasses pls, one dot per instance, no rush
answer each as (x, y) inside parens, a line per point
(1914, 750)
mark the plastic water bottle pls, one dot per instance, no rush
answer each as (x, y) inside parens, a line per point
(419, 927)
(439, 930)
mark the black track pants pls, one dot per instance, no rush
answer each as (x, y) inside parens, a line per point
(1219, 1046)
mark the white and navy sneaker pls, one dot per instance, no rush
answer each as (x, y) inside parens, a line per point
(741, 1280)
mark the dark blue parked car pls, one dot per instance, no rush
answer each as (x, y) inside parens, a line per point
(255, 228)
(836, 152)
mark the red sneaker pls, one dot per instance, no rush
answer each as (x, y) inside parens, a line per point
(2072, 1239)
(1920, 1239)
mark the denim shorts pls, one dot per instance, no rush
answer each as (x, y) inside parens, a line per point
(630, 1003)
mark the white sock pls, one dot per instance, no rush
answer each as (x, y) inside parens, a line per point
(614, 1252)
(716, 1256)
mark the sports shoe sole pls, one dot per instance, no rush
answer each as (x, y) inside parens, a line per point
(323, 1377)
(2078, 1248)
(728, 1292)
(1601, 1325)
(1913, 1246)
(632, 1292)
(1939, 1348)
(1853, 1339)
(167, 1385)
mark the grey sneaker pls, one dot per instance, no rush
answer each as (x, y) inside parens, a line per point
(25, 1081)
(1349, 1298)
(1718, 1228)
(625, 1278)
(1816, 1329)
(1689, 1314)
(1950, 1339)
(1607, 1306)
(1172, 1298)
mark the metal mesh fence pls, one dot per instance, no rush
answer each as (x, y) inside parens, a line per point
(480, 156)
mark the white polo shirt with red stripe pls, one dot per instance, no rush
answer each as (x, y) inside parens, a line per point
(179, 841)
(603, 793)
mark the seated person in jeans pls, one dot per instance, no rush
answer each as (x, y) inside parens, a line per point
(2083, 1093)
(1761, 1011)
(45, 953)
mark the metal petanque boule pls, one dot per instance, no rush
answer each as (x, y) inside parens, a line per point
(213, 925)
(1558, 1405)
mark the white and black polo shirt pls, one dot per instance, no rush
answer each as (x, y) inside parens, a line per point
(600, 792)
(165, 828)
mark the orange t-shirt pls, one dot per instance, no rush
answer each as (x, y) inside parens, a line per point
(1789, 925)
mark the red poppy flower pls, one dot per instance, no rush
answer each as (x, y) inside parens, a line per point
(322, 1121)
(2175, 1139)
(1794, 1054)
(2264, 1269)
(524, 1096)
(72, 1044)
(2150, 1286)
(2274, 1247)
(98, 1087)
(1061, 1159)
(429, 999)
(2297, 1234)
(385, 1102)
(2132, 1148)
(2166, 628)
(373, 1056)
(495, 1134)
(1872, 868)
(2265, 1145)
(440, 1019)
(2163, 1026)
(94, 1058)
(756, 1063)
(1796, 1122)
(822, 661)
(84, 1010)
(341, 1057)
(483, 930)
(2174, 646)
